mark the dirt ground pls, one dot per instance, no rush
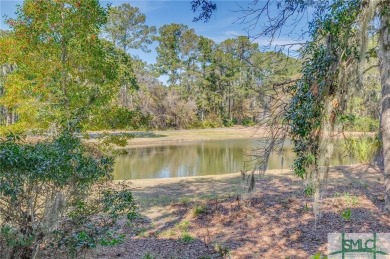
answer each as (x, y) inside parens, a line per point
(213, 217)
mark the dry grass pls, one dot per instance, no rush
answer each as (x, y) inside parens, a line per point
(155, 138)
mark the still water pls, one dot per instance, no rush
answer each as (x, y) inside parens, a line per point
(200, 158)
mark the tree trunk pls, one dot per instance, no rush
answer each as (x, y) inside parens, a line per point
(384, 54)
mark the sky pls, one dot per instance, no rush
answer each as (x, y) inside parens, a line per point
(222, 25)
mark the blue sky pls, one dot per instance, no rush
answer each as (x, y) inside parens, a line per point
(222, 25)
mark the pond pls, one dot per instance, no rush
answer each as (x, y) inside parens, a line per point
(200, 158)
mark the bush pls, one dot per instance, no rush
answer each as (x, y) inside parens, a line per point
(212, 124)
(363, 149)
(229, 123)
(206, 124)
(118, 118)
(248, 122)
(199, 210)
(360, 124)
(45, 193)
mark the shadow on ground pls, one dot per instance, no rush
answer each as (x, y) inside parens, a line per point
(277, 221)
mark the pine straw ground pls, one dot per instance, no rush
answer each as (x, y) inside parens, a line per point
(210, 217)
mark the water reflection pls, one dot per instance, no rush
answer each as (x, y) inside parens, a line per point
(195, 159)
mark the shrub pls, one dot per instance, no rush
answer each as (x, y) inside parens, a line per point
(364, 148)
(248, 122)
(206, 124)
(229, 123)
(45, 196)
(199, 210)
(221, 249)
(361, 124)
(346, 214)
(118, 118)
(187, 238)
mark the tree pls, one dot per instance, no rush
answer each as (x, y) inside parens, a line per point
(4, 33)
(125, 79)
(208, 7)
(126, 28)
(62, 72)
(335, 58)
(384, 55)
(63, 69)
(7, 115)
(168, 51)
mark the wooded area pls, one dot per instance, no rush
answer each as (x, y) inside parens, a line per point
(68, 69)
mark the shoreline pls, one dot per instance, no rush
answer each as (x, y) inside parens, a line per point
(217, 210)
(167, 137)
(219, 177)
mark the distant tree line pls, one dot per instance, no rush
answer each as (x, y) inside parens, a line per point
(208, 84)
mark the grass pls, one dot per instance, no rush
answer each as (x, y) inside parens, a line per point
(173, 136)
(141, 231)
(168, 233)
(183, 226)
(185, 200)
(318, 256)
(346, 214)
(187, 238)
(351, 200)
(306, 208)
(199, 210)
(221, 249)
(148, 256)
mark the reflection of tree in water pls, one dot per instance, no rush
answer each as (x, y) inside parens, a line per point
(203, 158)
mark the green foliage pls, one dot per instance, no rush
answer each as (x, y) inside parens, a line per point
(118, 118)
(319, 256)
(221, 249)
(79, 241)
(107, 139)
(351, 200)
(248, 122)
(61, 162)
(346, 214)
(119, 203)
(364, 148)
(204, 124)
(126, 28)
(148, 256)
(58, 175)
(183, 226)
(207, 8)
(220, 78)
(169, 49)
(361, 124)
(112, 239)
(309, 190)
(306, 207)
(63, 70)
(187, 238)
(312, 95)
(199, 210)
(229, 123)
